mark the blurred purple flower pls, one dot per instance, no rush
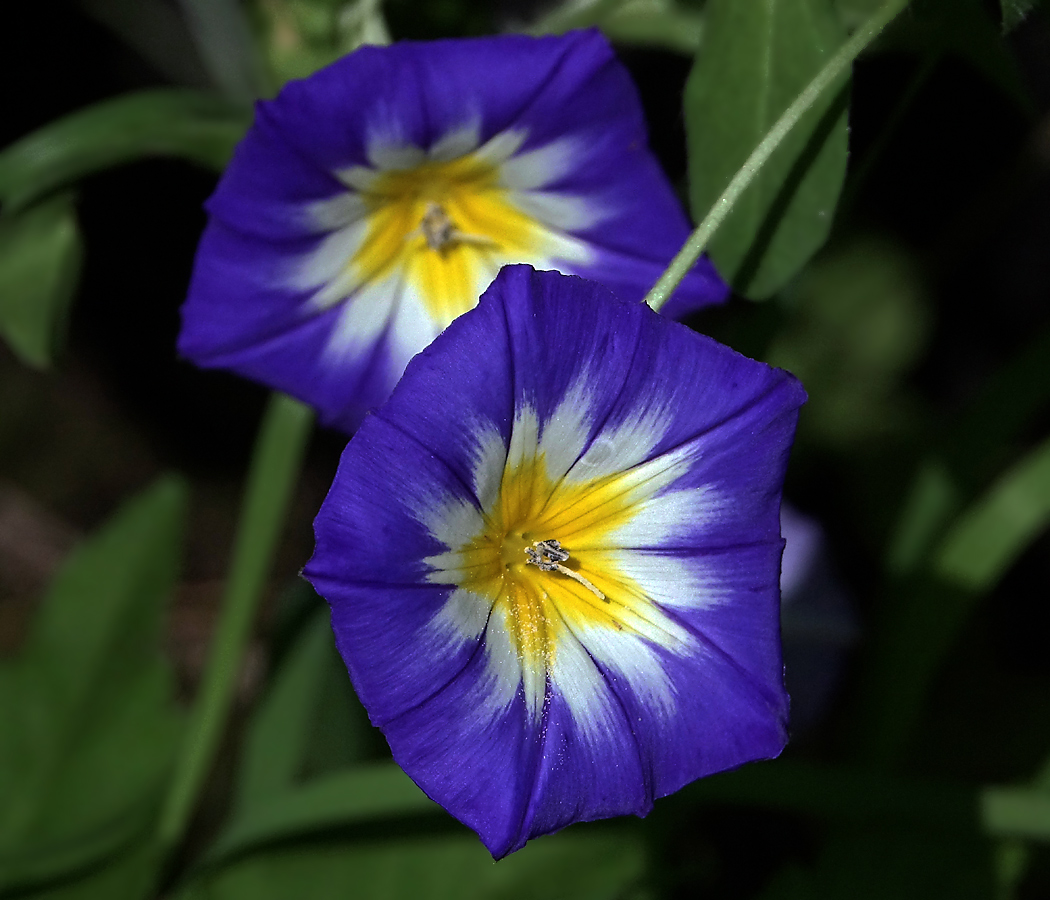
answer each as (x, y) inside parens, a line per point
(372, 203)
(552, 559)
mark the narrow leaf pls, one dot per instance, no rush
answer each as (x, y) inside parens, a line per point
(40, 258)
(989, 536)
(189, 125)
(594, 865)
(224, 42)
(755, 59)
(1015, 12)
(275, 745)
(92, 728)
(1016, 812)
(366, 793)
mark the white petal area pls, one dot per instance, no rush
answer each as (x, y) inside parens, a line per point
(541, 167)
(504, 669)
(559, 249)
(582, 686)
(413, 328)
(501, 147)
(456, 142)
(670, 582)
(489, 459)
(566, 431)
(358, 178)
(326, 269)
(387, 154)
(464, 615)
(632, 659)
(454, 522)
(362, 320)
(563, 211)
(524, 437)
(660, 519)
(624, 446)
(335, 212)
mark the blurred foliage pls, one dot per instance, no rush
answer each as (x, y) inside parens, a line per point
(923, 451)
(756, 58)
(90, 725)
(40, 258)
(858, 322)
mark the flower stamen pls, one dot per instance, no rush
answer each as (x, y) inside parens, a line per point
(549, 555)
(439, 231)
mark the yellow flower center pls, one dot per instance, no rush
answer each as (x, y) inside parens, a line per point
(544, 559)
(448, 226)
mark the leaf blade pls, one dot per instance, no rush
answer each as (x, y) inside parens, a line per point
(186, 124)
(755, 59)
(40, 259)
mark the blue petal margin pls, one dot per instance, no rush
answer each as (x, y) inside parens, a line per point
(274, 220)
(555, 369)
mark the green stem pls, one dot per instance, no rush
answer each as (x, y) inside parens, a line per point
(272, 477)
(833, 69)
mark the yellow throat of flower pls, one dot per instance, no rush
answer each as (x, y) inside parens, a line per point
(544, 563)
(447, 227)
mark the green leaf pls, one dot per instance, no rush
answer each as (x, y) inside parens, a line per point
(755, 59)
(988, 537)
(93, 727)
(1017, 812)
(282, 731)
(224, 43)
(857, 323)
(656, 23)
(40, 257)
(130, 875)
(1015, 12)
(574, 866)
(189, 125)
(362, 794)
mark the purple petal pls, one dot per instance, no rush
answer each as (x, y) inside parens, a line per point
(660, 456)
(280, 293)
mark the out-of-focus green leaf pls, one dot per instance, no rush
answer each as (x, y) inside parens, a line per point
(92, 731)
(130, 875)
(853, 13)
(989, 536)
(1014, 855)
(224, 43)
(302, 36)
(277, 742)
(1016, 812)
(970, 452)
(755, 59)
(157, 32)
(190, 125)
(1015, 12)
(567, 866)
(656, 23)
(40, 257)
(857, 322)
(365, 793)
(870, 864)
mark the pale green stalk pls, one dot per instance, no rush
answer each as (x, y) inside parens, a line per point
(272, 477)
(833, 69)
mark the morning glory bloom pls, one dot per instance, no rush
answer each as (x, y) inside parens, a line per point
(372, 203)
(552, 559)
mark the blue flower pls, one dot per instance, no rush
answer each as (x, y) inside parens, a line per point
(552, 559)
(371, 204)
